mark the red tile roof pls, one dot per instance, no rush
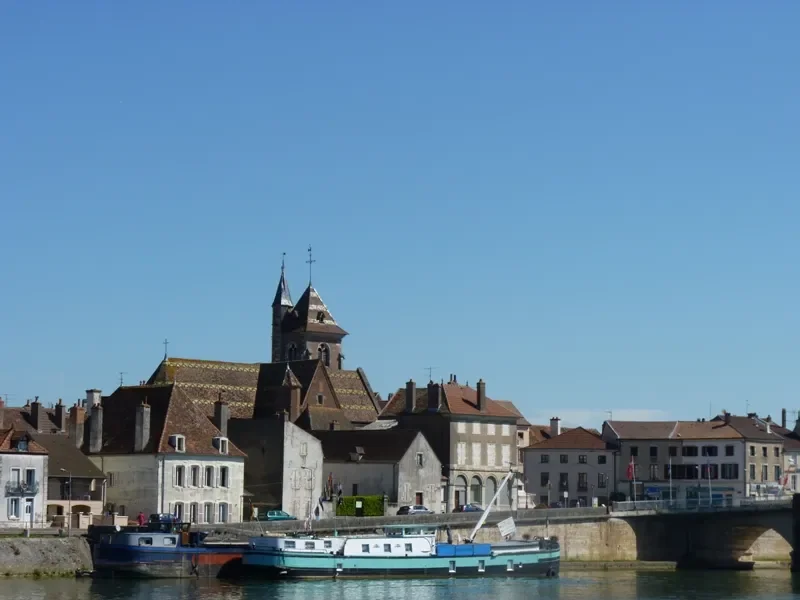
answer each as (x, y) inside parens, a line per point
(10, 437)
(510, 407)
(457, 399)
(576, 439)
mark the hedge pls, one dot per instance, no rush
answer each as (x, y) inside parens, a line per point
(372, 506)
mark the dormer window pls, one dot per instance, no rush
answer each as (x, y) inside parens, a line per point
(221, 444)
(178, 442)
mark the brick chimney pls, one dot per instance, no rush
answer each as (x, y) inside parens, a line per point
(434, 397)
(411, 396)
(222, 413)
(555, 426)
(39, 416)
(481, 395)
(96, 429)
(77, 418)
(141, 436)
(61, 416)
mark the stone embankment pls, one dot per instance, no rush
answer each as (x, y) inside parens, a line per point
(43, 556)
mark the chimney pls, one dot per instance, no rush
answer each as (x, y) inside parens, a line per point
(96, 429)
(727, 417)
(783, 418)
(38, 416)
(77, 417)
(61, 421)
(142, 434)
(2, 410)
(797, 424)
(222, 413)
(411, 396)
(481, 395)
(434, 397)
(92, 398)
(555, 427)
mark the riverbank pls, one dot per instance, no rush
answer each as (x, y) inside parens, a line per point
(44, 557)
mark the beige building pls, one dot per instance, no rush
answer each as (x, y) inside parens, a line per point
(764, 458)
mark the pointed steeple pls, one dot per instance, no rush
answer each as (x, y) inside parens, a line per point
(311, 314)
(282, 296)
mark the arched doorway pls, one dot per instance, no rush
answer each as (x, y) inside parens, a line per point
(476, 490)
(460, 494)
(491, 489)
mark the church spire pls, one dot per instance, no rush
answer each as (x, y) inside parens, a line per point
(282, 297)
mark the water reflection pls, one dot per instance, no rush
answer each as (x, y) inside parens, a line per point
(623, 585)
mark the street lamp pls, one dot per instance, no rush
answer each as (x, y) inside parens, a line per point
(69, 503)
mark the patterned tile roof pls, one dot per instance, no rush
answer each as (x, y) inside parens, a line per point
(354, 395)
(311, 314)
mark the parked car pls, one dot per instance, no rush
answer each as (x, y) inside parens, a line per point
(414, 509)
(276, 515)
(471, 507)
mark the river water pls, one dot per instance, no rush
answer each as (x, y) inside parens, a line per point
(620, 585)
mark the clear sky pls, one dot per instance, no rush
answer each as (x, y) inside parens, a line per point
(591, 206)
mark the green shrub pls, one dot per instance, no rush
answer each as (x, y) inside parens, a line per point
(372, 506)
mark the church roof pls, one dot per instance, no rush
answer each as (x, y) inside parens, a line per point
(355, 395)
(311, 314)
(282, 296)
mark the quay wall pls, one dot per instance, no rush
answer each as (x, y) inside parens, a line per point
(43, 556)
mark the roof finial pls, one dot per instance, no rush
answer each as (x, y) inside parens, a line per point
(166, 345)
(283, 262)
(310, 262)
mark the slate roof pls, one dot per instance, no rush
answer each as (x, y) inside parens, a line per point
(573, 439)
(311, 314)
(791, 441)
(282, 296)
(64, 454)
(378, 446)
(20, 418)
(510, 407)
(457, 400)
(751, 428)
(171, 412)
(10, 437)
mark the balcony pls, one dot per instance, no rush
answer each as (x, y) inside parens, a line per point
(22, 488)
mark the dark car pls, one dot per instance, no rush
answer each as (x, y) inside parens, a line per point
(471, 507)
(414, 509)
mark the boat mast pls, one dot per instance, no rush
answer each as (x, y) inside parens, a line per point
(485, 514)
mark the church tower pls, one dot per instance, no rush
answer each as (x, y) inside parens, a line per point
(281, 305)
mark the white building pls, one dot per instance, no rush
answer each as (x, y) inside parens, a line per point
(23, 479)
(160, 454)
(574, 468)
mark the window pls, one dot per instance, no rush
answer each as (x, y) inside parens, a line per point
(195, 476)
(481, 566)
(601, 459)
(634, 450)
(544, 479)
(223, 512)
(476, 453)
(777, 472)
(689, 451)
(476, 428)
(365, 548)
(654, 452)
(544, 459)
(506, 455)
(30, 478)
(563, 482)
(490, 429)
(223, 477)
(461, 427)
(209, 479)
(320, 399)
(323, 350)
(654, 472)
(710, 451)
(752, 472)
(728, 450)
(673, 451)
(491, 454)
(178, 442)
(710, 472)
(193, 512)
(764, 472)
(752, 450)
(223, 445)
(602, 480)
(328, 544)
(581, 459)
(170, 541)
(208, 513)
(777, 452)
(145, 541)
(387, 547)
(289, 545)
(583, 482)
(730, 471)
(180, 479)
(408, 548)
(764, 451)
(310, 546)
(564, 459)
(16, 476)
(13, 508)
(461, 453)
(506, 430)
(420, 459)
(178, 511)
(452, 566)
(291, 352)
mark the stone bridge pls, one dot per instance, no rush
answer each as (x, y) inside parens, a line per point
(725, 537)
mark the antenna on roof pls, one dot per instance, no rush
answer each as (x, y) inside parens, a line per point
(121, 373)
(430, 372)
(610, 415)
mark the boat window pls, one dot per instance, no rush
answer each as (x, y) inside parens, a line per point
(452, 566)
(510, 565)
(387, 547)
(365, 548)
(328, 544)
(169, 541)
(288, 544)
(145, 541)
(310, 545)
(481, 566)
(409, 548)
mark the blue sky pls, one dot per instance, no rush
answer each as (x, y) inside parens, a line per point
(591, 207)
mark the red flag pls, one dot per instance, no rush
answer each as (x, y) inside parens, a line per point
(631, 470)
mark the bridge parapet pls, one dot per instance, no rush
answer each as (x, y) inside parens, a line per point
(654, 507)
